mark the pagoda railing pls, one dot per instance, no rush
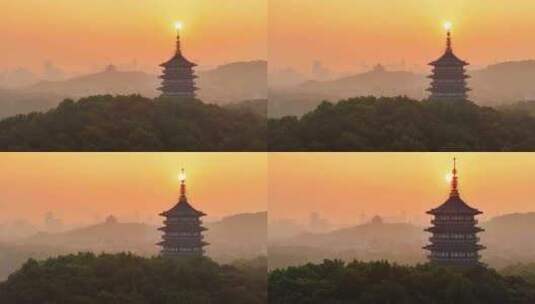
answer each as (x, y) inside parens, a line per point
(454, 259)
(454, 222)
(452, 240)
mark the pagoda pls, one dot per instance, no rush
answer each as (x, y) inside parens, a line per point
(178, 78)
(182, 227)
(454, 241)
(448, 76)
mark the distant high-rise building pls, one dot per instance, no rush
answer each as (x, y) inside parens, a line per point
(182, 227)
(448, 78)
(454, 240)
(178, 78)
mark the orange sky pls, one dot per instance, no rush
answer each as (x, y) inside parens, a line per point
(85, 187)
(82, 35)
(341, 186)
(345, 34)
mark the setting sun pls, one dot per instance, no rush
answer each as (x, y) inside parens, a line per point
(182, 176)
(448, 177)
(121, 32)
(133, 187)
(447, 25)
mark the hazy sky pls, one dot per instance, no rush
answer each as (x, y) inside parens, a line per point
(84, 187)
(344, 34)
(342, 186)
(81, 187)
(81, 35)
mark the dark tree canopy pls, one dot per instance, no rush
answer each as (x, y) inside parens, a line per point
(524, 270)
(403, 124)
(127, 279)
(135, 123)
(334, 281)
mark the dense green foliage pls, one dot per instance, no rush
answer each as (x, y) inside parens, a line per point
(521, 106)
(381, 282)
(526, 271)
(134, 123)
(124, 278)
(402, 124)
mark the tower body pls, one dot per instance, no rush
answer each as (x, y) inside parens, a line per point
(448, 78)
(454, 229)
(182, 229)
(178, 77)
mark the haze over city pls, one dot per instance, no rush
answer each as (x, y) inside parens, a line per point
(347, 36)
(400, 187)
(84, 188)
(80, 37)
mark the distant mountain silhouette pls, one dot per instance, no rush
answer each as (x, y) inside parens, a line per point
(378, 82)
(505, 82)
(399, 242)
(110, 81)
(234, 82)
(227, 83)
(501, 83)
(509, 240)
(240, 236)
(14, 102)
(365, 236)
(236, 235)
(138, 238)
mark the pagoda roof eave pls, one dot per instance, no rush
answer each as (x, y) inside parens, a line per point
(178, 60)
(170, 229)
(448, 62)
(475, 247)
(183, 208)
(437, 211)
(448, 59)
(454, 205)
(184, 244)
(435, 229)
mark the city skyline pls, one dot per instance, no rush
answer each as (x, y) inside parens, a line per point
(80, 188)
(409, 34)
(341, 187)
(121, 32)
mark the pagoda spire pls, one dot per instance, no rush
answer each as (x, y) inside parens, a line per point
(448, 41)
(454, 180)
(448, 78)
(182, 177)
(178, 77)
(454, 230)
(178, 27)
(182, 230)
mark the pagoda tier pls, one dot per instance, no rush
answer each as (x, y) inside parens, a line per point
(182, 228)
(454, 240)
(448, 77)
(178, 76)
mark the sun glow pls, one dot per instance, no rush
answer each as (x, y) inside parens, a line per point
(178, 25)
(447, 25)
(182, 176)
(448, 177)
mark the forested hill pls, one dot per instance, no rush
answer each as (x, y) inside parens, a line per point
(128, 279)
(382, 282)
(135, 123)
(403, 124)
